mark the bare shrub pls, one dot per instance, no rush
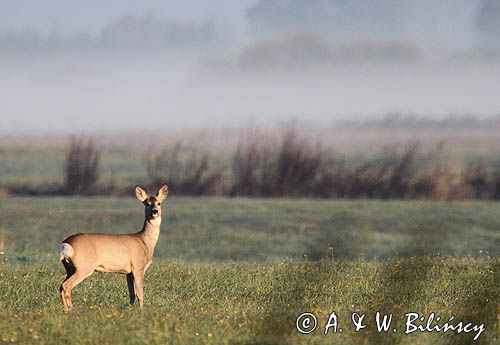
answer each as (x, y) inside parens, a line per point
(186, 171)
(407, 174)
(297, 166)
(332, 179)
(403, 173)
(364, 181)
(163, 163)
(81, 166)
(391, 175)
(111, 186)
(495, 185)
(477, 181)
(440, 177)
(263, 167)
(440, 182)
(251, 166)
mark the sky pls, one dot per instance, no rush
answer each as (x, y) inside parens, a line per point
(155, 64)
(91, 15)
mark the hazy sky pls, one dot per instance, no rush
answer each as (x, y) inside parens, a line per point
(90, 16)
(316, 61)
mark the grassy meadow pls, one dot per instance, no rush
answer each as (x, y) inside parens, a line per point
(261, 229)
(251, 303)
(240, 271)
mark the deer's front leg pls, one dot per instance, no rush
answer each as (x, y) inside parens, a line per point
(131, 290)
(138, 286)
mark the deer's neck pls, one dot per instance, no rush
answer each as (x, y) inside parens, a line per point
(150, 233)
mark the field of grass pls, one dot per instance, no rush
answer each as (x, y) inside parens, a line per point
(240, 271)
(262, 229)
(252, 303)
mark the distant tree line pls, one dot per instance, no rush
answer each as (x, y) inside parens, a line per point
(125, 34)
(377, 20)
(402, 121)
(290, 165)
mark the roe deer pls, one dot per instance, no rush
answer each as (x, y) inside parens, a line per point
(82, 254)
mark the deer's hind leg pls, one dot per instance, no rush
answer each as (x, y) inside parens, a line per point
(76, 277)
(70, 270)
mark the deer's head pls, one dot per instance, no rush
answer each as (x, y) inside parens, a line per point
(152, 204)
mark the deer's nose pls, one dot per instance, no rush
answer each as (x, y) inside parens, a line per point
(154, 212)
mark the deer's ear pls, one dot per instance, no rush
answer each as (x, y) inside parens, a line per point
(140, 193)
(162, 193)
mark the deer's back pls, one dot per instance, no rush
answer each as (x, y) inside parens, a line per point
(108, 252)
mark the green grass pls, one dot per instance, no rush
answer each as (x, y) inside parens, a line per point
(251, 303)
(256, 229)
(239, 271)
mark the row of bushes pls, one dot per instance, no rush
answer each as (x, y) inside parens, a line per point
(291, 165)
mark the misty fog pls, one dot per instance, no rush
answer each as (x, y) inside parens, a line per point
(263, 61)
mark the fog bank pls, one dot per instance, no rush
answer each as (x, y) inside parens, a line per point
(166, 65)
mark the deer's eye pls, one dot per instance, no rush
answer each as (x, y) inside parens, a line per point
(159, 203)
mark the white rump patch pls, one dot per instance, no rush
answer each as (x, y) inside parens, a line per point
(65, 251)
